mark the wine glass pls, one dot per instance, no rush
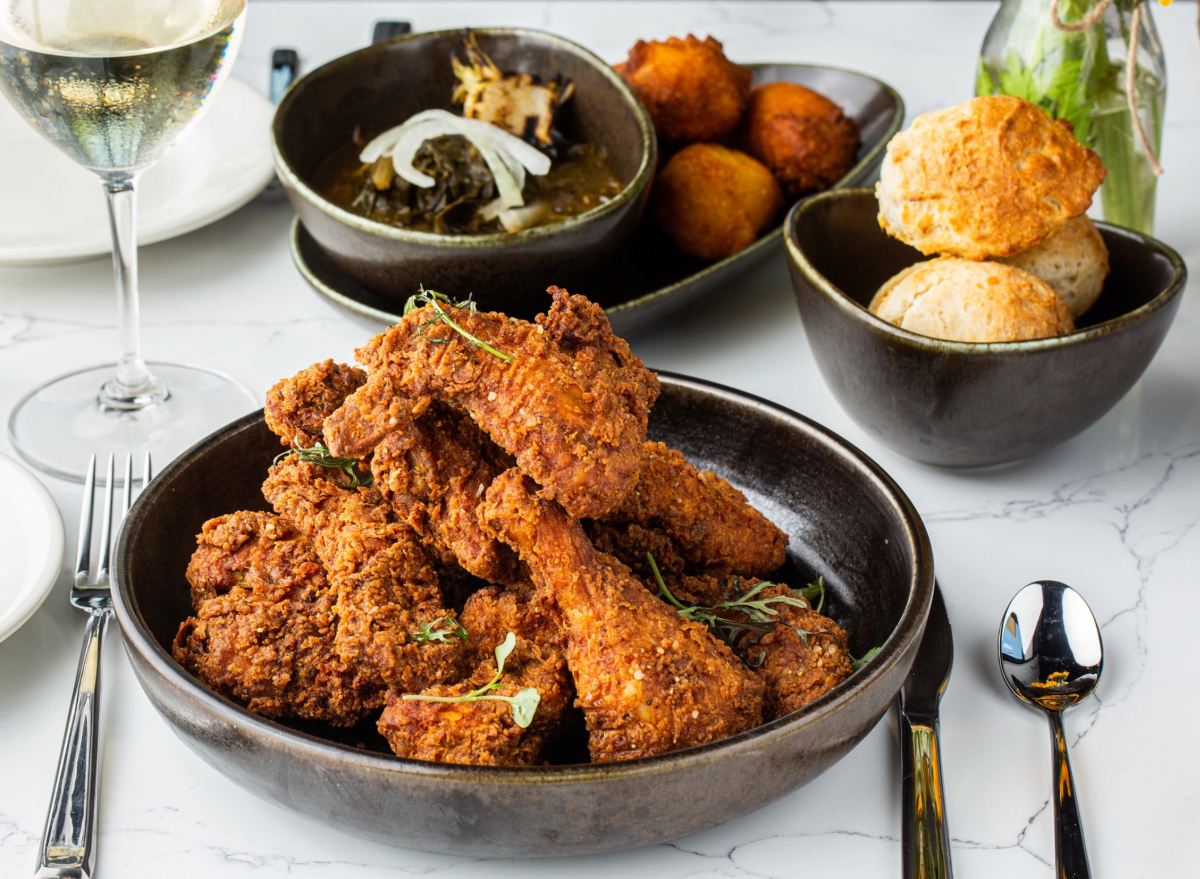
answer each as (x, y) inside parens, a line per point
(113, 84)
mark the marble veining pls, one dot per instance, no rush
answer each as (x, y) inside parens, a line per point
(1113, 512)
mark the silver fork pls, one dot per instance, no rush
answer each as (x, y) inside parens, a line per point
(68, 843)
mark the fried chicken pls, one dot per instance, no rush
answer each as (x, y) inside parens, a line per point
(573, 414)
(797, 669)
(384, 584)
(434, 473)
(648, 682)
(263, 633)
(296, 407)
(709, 522)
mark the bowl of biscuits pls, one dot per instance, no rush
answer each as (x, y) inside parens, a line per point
(967, 312)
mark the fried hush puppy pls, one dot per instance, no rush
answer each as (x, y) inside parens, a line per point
(803, 137)
(690, 89)
(713, 201)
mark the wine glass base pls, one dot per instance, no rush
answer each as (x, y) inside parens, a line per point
(58, 426)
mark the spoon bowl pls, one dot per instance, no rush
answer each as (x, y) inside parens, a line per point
(1051, 656)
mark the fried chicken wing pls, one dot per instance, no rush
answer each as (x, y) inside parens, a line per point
(434, 473)
(384, 584)
(648, 682)
(572, 416)
(709, 521)
(797, 669)
(296, 407)
(264, 624)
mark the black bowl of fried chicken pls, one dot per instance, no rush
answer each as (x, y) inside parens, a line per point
(507, 592)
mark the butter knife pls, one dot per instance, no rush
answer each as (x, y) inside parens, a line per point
(926, 839)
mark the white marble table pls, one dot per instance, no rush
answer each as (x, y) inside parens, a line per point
(1112, 512)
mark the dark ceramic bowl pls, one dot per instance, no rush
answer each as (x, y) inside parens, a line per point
(964, 403)
(383, 85)
(848, 522)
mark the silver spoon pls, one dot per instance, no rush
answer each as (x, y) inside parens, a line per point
(1051, 657)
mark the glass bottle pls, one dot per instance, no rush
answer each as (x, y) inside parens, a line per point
(1080, 76)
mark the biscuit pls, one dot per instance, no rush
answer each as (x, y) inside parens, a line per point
(1074, 261)
(990, 177)
(967, 301)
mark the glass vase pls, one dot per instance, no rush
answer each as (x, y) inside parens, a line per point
(1081, 77)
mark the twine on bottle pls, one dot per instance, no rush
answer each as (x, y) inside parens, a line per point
(1093, 16)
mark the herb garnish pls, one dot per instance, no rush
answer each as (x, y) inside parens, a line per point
(318, 454)
(428, 632)
(759, 615)
(523, 705)
(434, 300)
(856, 664)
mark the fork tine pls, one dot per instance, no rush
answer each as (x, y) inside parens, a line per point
(146, 472)
(106, 520)
(127, 492)
(83, 551)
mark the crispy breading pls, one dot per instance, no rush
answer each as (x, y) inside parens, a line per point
(434, 473)
(648, 682)
(572, 418)
(803, 137)
(296, 407)
(690, 89)
(384, 584)
(796, 669)
(714, 201)
(264, 624)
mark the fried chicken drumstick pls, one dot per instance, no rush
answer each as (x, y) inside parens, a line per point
(648, 682)
(572, 413)
(296, 407)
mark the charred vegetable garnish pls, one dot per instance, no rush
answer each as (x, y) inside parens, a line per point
(318, 454)
(517, 102)
(523, 705)
(752, 615)
(434, 300)
(430, 633)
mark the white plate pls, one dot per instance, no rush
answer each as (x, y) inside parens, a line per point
(31, 545)
(52, 210)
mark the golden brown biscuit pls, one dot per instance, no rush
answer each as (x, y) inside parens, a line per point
(714, 201)
(691, 90)
(967, 301)
(988, 178)
(802, 136)
(1074, 261)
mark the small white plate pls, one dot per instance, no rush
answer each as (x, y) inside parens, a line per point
(52, 210)
(31, 545)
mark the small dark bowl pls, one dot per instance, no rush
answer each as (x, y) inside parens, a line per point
(381, 86)
(848, 522)
(962, 403)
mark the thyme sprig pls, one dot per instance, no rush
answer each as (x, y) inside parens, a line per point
(434, 300)
(429, 633)
(523, 705)
(319, 454)
(760, 617)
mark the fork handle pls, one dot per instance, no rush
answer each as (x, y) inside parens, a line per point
(926, 839)
(68, 841)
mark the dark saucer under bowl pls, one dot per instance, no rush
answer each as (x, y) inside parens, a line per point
(963, 403)
(651, 279)
(848, 522)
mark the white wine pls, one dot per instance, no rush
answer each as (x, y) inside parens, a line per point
(113, 83)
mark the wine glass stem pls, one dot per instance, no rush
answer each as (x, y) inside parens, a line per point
(133, 387)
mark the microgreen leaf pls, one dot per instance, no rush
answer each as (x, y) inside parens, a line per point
(524, 705)
(503, 650)
(429, 632)
(856, 664)
(318, 454)
(434, 300)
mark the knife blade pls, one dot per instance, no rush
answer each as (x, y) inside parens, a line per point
(926, 838)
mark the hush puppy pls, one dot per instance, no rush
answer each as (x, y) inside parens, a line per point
(1074, 261)
(714, 201)
(802, 136)
(691, 90)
